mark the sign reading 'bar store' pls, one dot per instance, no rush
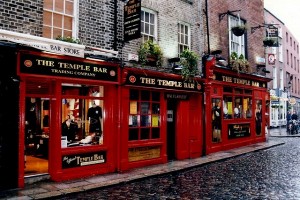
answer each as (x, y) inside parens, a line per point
(67, 68)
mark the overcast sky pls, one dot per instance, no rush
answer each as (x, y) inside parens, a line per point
(288, 11)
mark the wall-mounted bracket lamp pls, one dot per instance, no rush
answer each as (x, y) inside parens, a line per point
(222, 15)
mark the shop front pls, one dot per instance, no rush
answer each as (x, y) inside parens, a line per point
(68, 116)
(237, 108)
(161, 118)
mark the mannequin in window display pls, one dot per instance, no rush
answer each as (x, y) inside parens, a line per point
(216, 116)
(95, 116)
(258, 119)
(69, 128)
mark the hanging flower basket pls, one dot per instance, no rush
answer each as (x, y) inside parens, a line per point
(238, 30)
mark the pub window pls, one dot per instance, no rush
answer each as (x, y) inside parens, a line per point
(144, 115)
(148, 24)
(82, 115)
(59, 18)
(237, 105)
(258, 117)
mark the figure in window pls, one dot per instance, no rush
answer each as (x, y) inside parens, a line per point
(95, 116)
(216, 121)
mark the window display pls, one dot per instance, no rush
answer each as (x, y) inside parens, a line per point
(216, 120)
(82, 113)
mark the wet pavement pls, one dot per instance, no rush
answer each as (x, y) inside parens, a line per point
(272, 173)
(269, 170)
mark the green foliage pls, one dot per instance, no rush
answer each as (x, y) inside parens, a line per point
(149, 48)
(68, 39)
(189, 62)
(239, 63)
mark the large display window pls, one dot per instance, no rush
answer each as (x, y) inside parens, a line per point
(82, 114)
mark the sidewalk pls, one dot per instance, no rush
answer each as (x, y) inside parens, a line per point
(50, 189)
(280, 132)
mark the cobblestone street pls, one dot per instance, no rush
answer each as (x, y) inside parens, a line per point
(267, 174)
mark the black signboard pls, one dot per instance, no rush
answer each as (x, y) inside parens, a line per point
(238, 130)
(238, 80)
(272, 33)
(70, 161)
(32, 64)
(132, 20)
(168, 83)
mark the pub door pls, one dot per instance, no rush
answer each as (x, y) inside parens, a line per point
(171, 129)
(37, 128)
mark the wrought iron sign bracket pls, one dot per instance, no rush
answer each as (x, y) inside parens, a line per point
(222, 15)
(253, 29)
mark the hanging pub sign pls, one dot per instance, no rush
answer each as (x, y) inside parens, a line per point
(272, 34)
(33, 64)
(132, 20)
(70, 161)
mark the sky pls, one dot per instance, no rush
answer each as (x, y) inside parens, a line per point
(288, 11)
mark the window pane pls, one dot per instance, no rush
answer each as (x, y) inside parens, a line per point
(59, 6)
(57, 32)
(67, 33)
(145, 120)
(47, 18)
(147, 17)
(151, 29)
(145, 108)
(147, 29)
(69, 8)
(145, 133)
(68, 23)
(133, 134)
(155, 133)
(155, 96)
(134, 94)
(46, 32)
(57, 20)
(151, 18)
(48, 4)
(145, 96)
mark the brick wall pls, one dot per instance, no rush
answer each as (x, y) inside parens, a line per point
(169, 13)
(252, 11)
(22, 16)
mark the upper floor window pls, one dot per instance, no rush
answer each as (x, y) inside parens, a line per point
(148, 24)
(286, 37)
(237, 43)
(291, 42)
(59, 18)
(183, 37)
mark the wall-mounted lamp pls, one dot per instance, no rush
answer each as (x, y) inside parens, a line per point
(229, 12)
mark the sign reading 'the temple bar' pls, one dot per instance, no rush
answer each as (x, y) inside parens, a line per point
(33, 64)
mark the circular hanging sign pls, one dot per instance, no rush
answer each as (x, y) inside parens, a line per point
(292, 101)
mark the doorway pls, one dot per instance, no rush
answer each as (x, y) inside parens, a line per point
(171, 129)
(36, 135)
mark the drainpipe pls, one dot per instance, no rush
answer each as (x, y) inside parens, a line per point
(207, 27)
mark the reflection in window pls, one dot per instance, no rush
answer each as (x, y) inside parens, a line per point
(82, 113)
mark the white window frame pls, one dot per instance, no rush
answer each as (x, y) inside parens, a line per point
(280, 53)
(185, 44)
(149, 35)
(75, 20)
(239, 42)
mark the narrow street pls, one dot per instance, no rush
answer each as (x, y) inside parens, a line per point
(266, 174)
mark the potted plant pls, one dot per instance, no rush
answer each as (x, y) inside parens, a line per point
(239, 63)
(68, 39)
(268, 42)
(238, 30)
(189, 63)
(150, 53)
